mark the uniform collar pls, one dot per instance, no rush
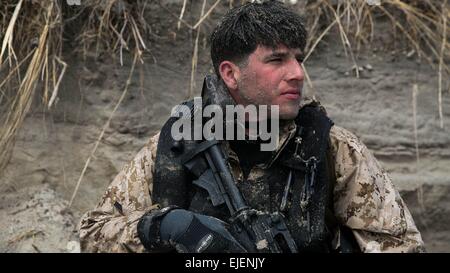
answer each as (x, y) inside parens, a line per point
(286, 133)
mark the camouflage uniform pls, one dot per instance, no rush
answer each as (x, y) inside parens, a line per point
(365, 200)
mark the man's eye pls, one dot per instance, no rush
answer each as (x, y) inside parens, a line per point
(275, 60)
(300, 60)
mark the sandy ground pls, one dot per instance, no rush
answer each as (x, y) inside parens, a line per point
(53, 146)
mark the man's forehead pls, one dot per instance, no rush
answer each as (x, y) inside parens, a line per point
(279, 49)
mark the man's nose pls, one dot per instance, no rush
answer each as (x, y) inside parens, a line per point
(296, 71)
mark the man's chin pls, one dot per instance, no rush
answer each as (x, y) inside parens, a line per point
(288, 116)
(289, 113)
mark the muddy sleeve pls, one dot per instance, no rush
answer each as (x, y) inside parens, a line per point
(366, 201)
(112, 225)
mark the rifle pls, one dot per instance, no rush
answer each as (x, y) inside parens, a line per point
(257, 231)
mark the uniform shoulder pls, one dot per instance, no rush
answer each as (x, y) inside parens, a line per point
(153, 140)
(152, 144)
(340, 136)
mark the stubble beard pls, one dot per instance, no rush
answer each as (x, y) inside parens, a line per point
(290, 113)
(287, 111)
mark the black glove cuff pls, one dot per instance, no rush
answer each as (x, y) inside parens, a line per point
(148, 229)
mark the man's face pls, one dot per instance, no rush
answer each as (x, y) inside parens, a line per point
(272, 77)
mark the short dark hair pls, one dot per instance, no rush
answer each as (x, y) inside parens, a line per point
(243, 28)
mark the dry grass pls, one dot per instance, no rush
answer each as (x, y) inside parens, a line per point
(31, 56)
(25, 235)
(31, 33)
(441, 60)
(32, 45)
(112, 26)
(423, 24)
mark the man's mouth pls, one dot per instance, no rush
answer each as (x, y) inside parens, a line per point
(292, 94)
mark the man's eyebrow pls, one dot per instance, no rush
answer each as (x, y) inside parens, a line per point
(276, 54)
(283, 54)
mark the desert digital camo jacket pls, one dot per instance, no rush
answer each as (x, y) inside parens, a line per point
(365, 200)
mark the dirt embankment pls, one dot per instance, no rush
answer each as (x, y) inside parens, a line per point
(53, 146)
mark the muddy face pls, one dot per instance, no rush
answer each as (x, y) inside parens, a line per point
(272, 77)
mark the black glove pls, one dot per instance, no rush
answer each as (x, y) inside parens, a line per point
(191, 232)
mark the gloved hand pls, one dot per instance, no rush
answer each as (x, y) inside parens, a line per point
(191, 232)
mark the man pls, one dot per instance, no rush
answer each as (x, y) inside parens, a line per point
(344, 201)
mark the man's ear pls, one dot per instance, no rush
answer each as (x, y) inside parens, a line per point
(230, 74)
